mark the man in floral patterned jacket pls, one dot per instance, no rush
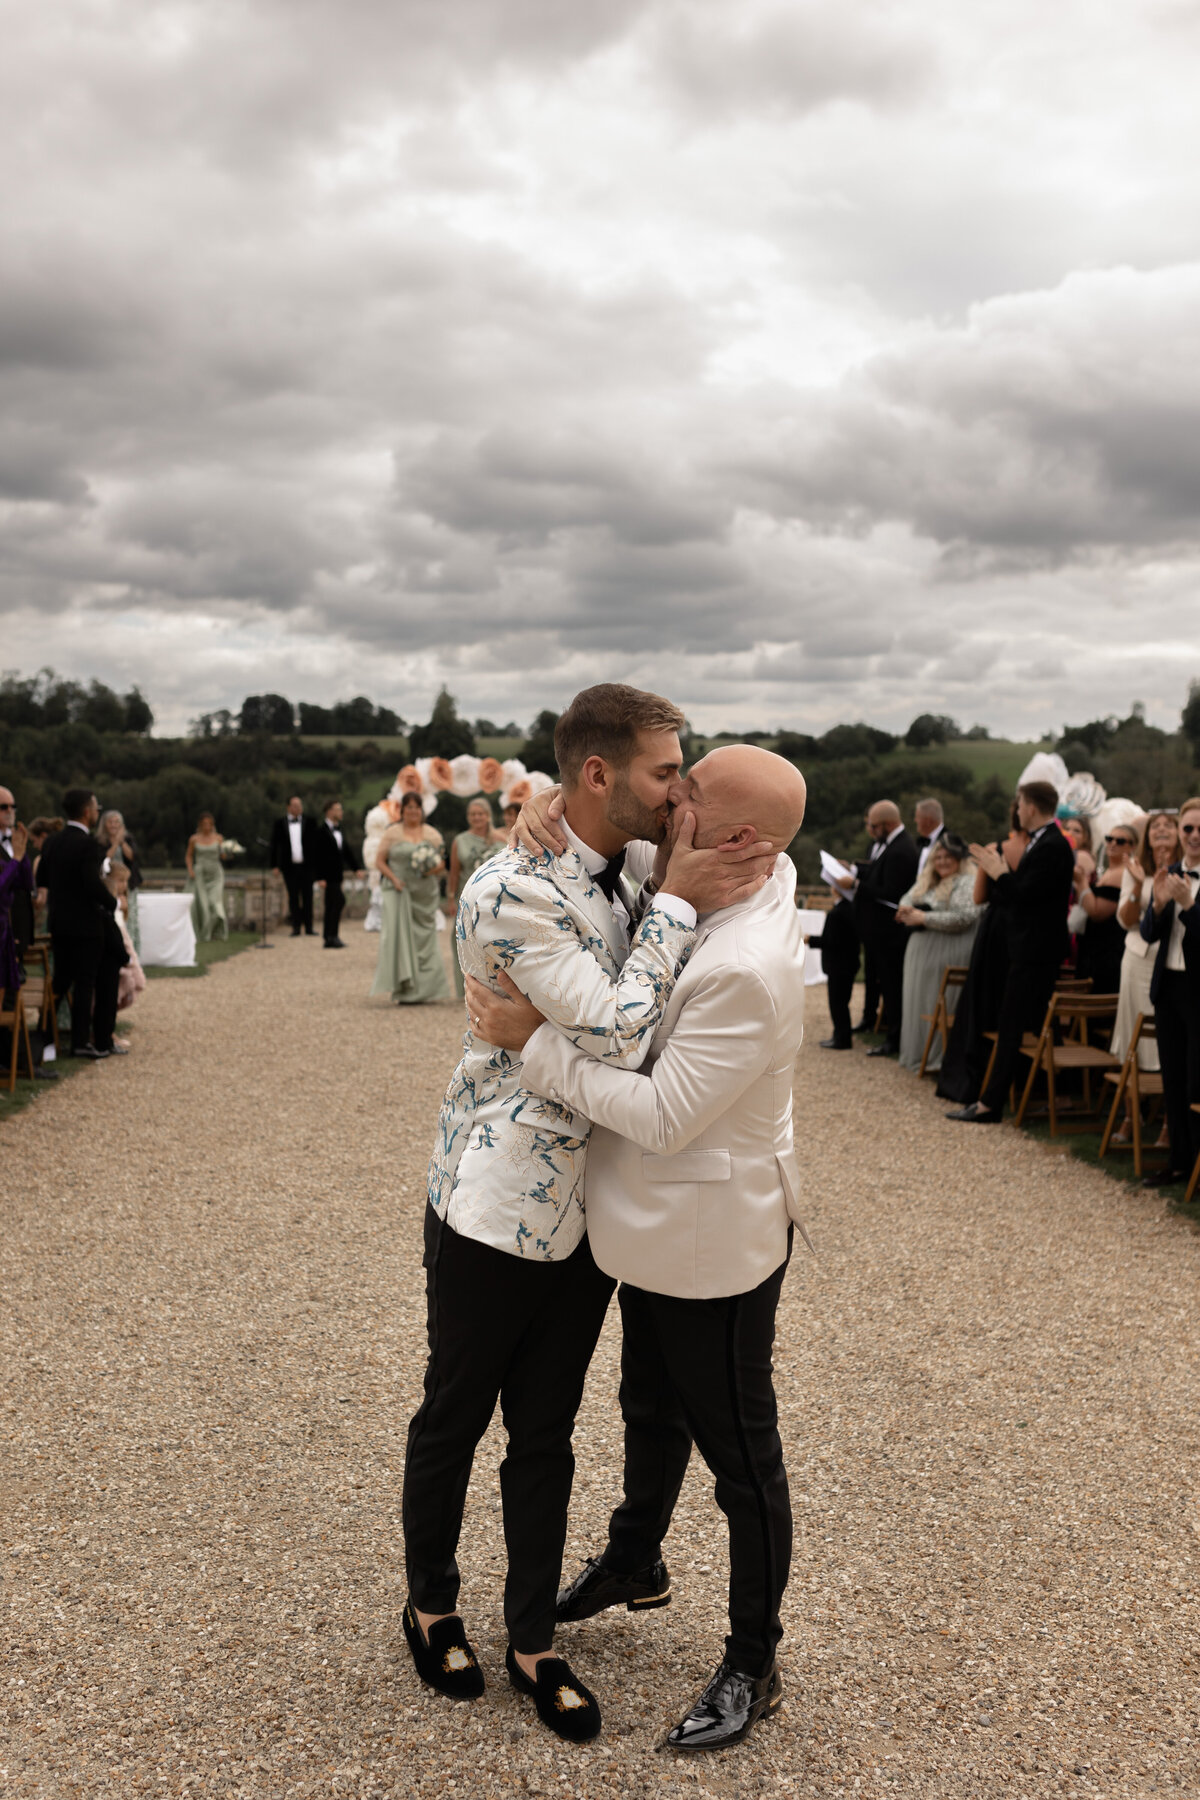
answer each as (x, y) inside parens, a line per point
(515, 1299)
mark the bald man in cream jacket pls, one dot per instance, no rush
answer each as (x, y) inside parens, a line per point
(691, 1197)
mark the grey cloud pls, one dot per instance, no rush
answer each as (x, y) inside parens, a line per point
(722, 61)
(1049, 426)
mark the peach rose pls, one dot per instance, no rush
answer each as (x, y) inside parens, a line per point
(409, 779)
(518, 794)
(441, 775)
(491, 775)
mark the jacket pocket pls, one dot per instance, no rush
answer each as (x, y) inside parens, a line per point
(689, 1165)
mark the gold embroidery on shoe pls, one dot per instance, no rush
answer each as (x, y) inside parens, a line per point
(566, 1699)
(457, 1658)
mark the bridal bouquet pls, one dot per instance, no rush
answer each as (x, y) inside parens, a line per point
(231, 847)
(425, 858)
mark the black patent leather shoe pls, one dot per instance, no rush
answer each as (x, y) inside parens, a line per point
(1164, 1178)
(883, 1050)
(727, 1710)
(835, 1043)
(570, 1709)
(597, 1587)
(971, 1115)
(444, 1659)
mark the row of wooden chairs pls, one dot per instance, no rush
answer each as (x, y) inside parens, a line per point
(16, 1019)
(1063, 1044)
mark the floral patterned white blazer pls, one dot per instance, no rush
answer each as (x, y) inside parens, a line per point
(507, 1166)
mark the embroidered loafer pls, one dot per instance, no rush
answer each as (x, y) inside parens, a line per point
(597, 1587)
(726, 1711)
(444, 1659)
(563, 1703)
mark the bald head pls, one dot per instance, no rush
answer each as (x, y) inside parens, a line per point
(742, 785)
(883, 818)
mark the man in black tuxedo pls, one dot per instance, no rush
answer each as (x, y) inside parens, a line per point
(291, 854)
(86, 962)
(331, 857)
(1172, 921)
(1034, 899)
(21, 915)
(889, 871)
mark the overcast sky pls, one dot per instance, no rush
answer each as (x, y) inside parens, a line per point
(805, 360)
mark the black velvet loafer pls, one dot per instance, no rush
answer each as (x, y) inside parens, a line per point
(444, 1659)
(596, 1587)
(570, 1710)
(729, 1707)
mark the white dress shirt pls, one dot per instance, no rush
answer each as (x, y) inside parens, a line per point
(927, 852)
(295, 832)
(1175, 960)
(682, 911)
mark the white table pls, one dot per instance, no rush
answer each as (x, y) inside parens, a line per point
(812, 922)
(168, 937)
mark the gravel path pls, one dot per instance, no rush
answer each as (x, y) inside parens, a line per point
(211, 1340)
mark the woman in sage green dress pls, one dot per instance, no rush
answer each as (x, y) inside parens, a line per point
(206, 880)
(410, 966)
(470, 848)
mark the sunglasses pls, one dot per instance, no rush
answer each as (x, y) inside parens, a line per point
(1128, 842)
(1190, 830)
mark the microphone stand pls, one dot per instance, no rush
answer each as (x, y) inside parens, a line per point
(262, 944)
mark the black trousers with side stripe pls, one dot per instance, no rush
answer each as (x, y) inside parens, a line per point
(699, 1371)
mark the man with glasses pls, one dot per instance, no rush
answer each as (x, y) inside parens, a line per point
(1172, 921)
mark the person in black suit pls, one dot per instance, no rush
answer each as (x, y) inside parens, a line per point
(331, 857)
(1034, 899)
(888, 873)
(1172, 921)
(82, 926)
(838, 944)
(291, 854)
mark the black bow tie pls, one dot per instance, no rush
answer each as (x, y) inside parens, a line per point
(606, 880)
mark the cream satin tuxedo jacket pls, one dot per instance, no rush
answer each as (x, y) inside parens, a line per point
(692, 1175)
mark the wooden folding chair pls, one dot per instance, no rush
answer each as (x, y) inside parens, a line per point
(37, 959)
(12, 1018)
(1074, 1011)
(1138, 1085)
(941, 1018)
(1069, 984)
(1195, 1180)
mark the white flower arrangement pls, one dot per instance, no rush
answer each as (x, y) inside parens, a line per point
(425, 859)
(466, 776)
(231, 847)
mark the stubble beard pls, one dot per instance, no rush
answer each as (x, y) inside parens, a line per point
(633, 816)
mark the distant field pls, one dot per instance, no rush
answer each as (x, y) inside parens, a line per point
(994, 756)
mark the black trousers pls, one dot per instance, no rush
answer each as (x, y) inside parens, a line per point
(297, 878)
(335, 900)
(1177, 1019)
(888, 956)
(76, 966)
(523, 1332)
(700, 1371)
(104, 1001)
(870, 1011)
(840, 970)
(1027, 991)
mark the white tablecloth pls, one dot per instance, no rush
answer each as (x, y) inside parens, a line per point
(168, 937)
(812, 922)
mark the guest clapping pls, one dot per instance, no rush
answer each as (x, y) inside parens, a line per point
(1158, 847)
(119, 847)
(941, 915)
(1100, 947)
(1172, 923)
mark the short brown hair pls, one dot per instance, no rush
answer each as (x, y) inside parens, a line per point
(606, 721)
(1189, 806)
(1042, 794)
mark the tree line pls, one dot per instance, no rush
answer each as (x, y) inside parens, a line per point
(56, 734)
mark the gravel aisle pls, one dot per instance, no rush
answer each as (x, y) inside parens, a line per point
(211, 1341)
